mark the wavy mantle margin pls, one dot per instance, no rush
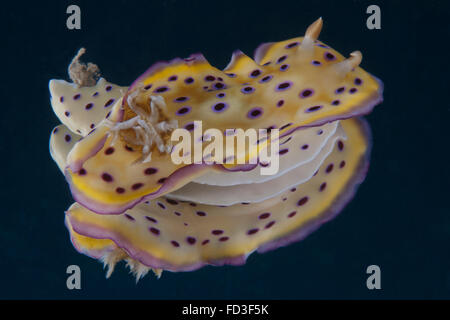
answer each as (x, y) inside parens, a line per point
(335, 208)
(365, 108)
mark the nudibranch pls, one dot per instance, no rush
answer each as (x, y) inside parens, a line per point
(134, 203)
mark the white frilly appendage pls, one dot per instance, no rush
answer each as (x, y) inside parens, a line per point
(148, 130)
(139, 270)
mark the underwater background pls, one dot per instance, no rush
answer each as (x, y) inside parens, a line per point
(399, 219)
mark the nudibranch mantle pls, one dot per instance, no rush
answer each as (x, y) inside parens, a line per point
(135, 204)
(300, 81)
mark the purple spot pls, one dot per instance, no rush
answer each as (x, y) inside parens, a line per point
(172, 78)
(292, 45)
(305, 146)
(322, 186)
(284, 86)
(255, 113)
(82, 172)
(269, 225)
(191, 240)
(189, 126)
(319, 132)
(189, 80)
(95, 94)
(266, 79)
(312, 109)
(210, 78)
(147, 87)
(181, 99)
(161, 205)
(231, 75)
(340, 145)
(255, 73)
(109, 102)
(252, 231)
(161, 89)
(293, 189)
(329, 168)
(137, 186)
(151, 219)
(220, 107)
(280, 103)
(220, 95)
(162, 180)
(128, 148)
(293, 213)
(302, 201)
(172, 202)
(284, 67)
(264, 215)
(192, 204)
(281, 59)
(129, 217)
(342, 164)
(267, 63)
(340, 90)
(201, 213)
(175, 244)
(205, 242)
(352, 90)
(89, 106)
(67, 137)
(108, 88)
(316, 63)
(154, 231)
(183, 110)
(109, 151)
(92, 126)
(150, 171)
(306, 93)
(217, 232)
(107, 177)
(358, 81)
(120, 190)
(283, 151)
(67, 114)
(329, 56)
(177, 213)
(223, 239)
(219, 85)
(61, 99)
(77, 96)
(247, 89)
(335, 102)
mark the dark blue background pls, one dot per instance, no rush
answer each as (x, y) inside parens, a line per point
(399, 219)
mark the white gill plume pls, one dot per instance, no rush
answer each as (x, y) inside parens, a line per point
(148, 130)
